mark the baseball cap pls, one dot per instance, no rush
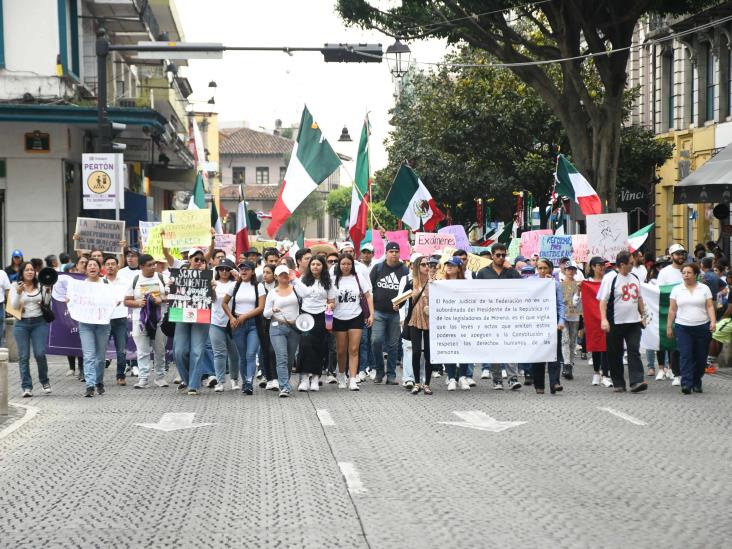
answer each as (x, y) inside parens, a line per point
(520, 258)
(415, 257)
(433, 260)
(676, 248)
(247, 265)
(226, 264)
(253, 251)
(570, 265)
(343, 245)
(527, 269)
(281, 269)
(597, 260)
(194, 251)
(455, 261)
(392, 246)
(17, 253)
(368, 247)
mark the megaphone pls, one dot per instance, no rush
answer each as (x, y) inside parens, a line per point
(47, 276)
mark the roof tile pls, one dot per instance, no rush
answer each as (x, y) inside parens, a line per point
(241, 141)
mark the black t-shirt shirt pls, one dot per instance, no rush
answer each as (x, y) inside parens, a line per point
(490, 273)
(385, 282)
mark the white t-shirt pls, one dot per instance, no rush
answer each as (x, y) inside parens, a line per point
(125, 273)
(314, 297)
(143, 287)
(669, 275)
(218, 316)
(627, 292)
(692, 306)
(640, 271)
(121, 285)
(246, 298)
(4, 285)
(348, 303)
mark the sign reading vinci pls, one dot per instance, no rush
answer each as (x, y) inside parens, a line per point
(102, 180)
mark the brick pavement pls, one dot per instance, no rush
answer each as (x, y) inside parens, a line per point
(81, 474)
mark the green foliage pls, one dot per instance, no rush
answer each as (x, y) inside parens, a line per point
(339, 206)
(382, 217)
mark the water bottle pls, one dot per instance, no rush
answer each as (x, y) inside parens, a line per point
(328, 320)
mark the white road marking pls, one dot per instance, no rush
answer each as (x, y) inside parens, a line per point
(30, 413)
(623, 415)
(353, 478)
(481, 421)
(325, 418)
(174, 422)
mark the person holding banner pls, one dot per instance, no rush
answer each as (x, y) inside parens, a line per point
(545, 269)
(282, 307)
(455, 270)
(222, 341)
(417, 323)
(118, 323)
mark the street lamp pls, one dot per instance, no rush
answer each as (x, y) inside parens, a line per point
(397, 56)
(345, 137)
(212, 88)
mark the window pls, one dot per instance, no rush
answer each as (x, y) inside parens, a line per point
(238, 175)
(694, 100)
(670, 84)
(262, 176)
(68, 33)
(711, 83)
(283, 171)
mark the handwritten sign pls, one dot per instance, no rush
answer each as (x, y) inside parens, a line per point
(378, 244)
(262, 245)
(144, 228)
(226, 242)
(401, 238)
(103, 234)
(185, 229)
(428, 243)
(607, 234)
(191, 296)
(579, 248)
(530, 241)
(154, 244)
(555, 247)
(461, 238)
(91, 302)
(475, 262)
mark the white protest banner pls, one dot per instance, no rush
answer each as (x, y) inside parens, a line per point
(486, 321)
(530, 241)
(91, 302)
(101, 180)
(103, 234)
(461, 238)
(579, 248)
(226, 242)
(555, 247)
(185, 229)
(428, 243)
(607, 234)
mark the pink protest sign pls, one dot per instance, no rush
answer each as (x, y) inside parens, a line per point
(401, 238)
(378, 244)
(579, 248)
(530, 241)
(427, 243)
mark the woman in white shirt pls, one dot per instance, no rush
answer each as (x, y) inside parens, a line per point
(317, 293)
(267, 362)
(692, 318)
(283, 306)
(31, 328)
(222, 342)
(349, 317)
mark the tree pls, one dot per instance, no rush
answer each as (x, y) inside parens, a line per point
(339, 206)
(522, 35)
(311, 208)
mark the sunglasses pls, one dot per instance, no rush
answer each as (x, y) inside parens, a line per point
(332, 261)
(197, 260)
(499, 255)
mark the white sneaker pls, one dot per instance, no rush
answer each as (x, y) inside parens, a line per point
(486, 374)
(668, 373)
(70, 372)
(315, 383)
(342, 381)
(235, 385)
(273, 385)
(625, 359)
(353, 384)
(27, 393)
(177, 380)
(451, 385)
(661, 375)
(606, 382)
(504, 374)
(464, 385)
(471, 382)
(161, 382)
(362, 376)
(596, 379)
(141, 384)
(372, 375)
(676, 381)
(219, 388)
(589, 359)
(331, 379)
(304, 385)
(135, 371)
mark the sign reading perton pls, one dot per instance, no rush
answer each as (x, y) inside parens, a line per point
(487, 321)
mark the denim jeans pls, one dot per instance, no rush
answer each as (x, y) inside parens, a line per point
(693, 343)
(94, 339)
(385, 334)
(407, 362)
(365, 351)
(223, 348)
(459, 370)
(27, 332)
(284, 342)
(511, 370)
(118, 332)
(651, 358)
(569, 341)
(207, 360)
(246, 340)
(189, 343)
(145, 348)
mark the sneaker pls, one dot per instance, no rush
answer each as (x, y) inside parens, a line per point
(70, 373)
(464, 385)
(596, 378)
(304, 385)
(378, 378)
(686, 390)
(177, 380)
(606, 382)
(27, 393)
(498, 385)
(567, 373)
(315, 383)
(248, 389)
(135, 371)
(262, 382)
(331, 379)
(409, 385)
(638, 387)
(372, 375)
(353, 385)
(121, 382)
(235, 385)
(193, 392)
(284, 393)
(273, 385)
(47, 388)
(661, 375)
(100, 388)
(451, 385)
(485, 374)
(219, 388)
(141, 384)
(589, 361)
(676, 381)
(342, 381)
(436, 374)
(211, 382)
(161, 382)
(472, 382)
(362, 376)
(528, 379)
(182, 387)
(89, 392)
(514, 384)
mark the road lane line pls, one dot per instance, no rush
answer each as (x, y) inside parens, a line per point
(325, 418)
(623, 415)
(353, 478)
(30, 413)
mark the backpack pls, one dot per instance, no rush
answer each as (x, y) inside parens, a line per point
(166, 326)
(610, 314)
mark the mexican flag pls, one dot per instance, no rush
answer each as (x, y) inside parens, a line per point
(215, 220)
(594, 336)
(361, 189)
(312, 162)
(242, 230)
(572, 184)
(656, 301)
(198, 198)
(410, 201)
(638, 238)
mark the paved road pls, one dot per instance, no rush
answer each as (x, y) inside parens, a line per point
(386, 474)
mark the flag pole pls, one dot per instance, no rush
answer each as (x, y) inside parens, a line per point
(343, 166)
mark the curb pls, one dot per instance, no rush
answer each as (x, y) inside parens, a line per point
(30, 413)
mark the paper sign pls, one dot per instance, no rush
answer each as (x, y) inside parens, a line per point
(555, 247)
(144, 228)
(91, 302)
(514, 249)
(461, 239)
(475, 262)
(607, 234)
(101, 180)
(485, 321)
(154, 244)
(186, 229)
(261, 245)
(226, 242)
(401, 238)
(579, 248)
(428, 243)
(530, 241)
(191, 296)
(378, 244)
(102, 234)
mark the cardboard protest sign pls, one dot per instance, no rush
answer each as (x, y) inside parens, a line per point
(607, 234)
(261, 245)
(191, 296)
(461, 238)
(555, 247)
(486, 321)
(579, 248)
(530, 241)
(186, 229)
(154, 244)
(401, 238)
(226, 242)
(104, 234)
(475, 262)
(91, 302)
(428, 243)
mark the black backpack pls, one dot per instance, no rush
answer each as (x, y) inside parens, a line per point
(610, 314)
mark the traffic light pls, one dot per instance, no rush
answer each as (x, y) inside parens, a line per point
(352, 53)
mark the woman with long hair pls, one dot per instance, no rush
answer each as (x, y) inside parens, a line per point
(545, 269)
(318, 295)
(78, 267)
(594, 336)
(222, 342)
(419, 324)
(267, 361)
(349, 316)
(31, 330)
(456, 373)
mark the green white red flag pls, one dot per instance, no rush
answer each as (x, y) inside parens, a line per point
(360, 194)
(410, 201)
(572, 184)
(638, 238)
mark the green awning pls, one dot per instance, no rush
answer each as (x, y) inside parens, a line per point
(75, 115)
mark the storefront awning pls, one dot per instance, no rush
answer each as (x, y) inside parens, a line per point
(81, 116)
(712, 182)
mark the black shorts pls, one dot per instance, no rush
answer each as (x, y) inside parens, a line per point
(355, 323)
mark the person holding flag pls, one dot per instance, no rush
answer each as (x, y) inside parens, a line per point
(361, 190)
